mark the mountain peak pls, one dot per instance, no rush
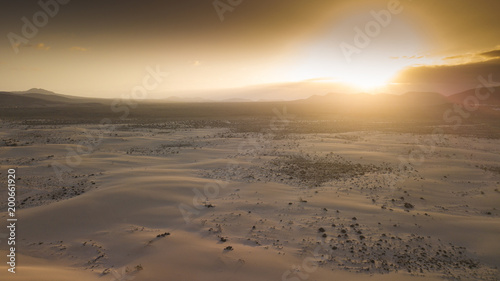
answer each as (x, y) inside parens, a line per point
(38, 91)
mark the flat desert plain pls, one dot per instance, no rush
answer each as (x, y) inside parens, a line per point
(176, 201)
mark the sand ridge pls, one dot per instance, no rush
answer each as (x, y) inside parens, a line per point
(284, 195)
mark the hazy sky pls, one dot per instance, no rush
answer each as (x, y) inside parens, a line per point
(102, 48)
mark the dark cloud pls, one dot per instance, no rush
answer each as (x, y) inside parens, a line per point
(465, 75)
(175, 21)
(256, 23)
(493, 54)
(456, 57)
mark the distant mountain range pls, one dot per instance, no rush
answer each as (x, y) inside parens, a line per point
(338, 101)
(40, 97)
(408, 99)
(37, 97)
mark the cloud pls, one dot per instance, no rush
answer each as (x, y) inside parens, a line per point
(22, 45)
(408, 58)
(465, 69)
(449, 79)
(491, 54)
(475, 57)
(78, 49)
(457, 57)
(461, 72)
(39, 46)
(42, 46)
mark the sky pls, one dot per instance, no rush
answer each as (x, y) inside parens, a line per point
(213, 48)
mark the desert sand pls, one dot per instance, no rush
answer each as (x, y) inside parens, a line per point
(180, 203)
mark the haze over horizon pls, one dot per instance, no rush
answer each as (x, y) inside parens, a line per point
(96, 49)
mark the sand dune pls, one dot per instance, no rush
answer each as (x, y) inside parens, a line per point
(262, 209)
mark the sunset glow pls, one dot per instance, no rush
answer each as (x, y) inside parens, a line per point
(252, 45)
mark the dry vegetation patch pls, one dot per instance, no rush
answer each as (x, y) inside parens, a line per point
(318, 170)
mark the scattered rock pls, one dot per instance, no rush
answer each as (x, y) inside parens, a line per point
(408, 205)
